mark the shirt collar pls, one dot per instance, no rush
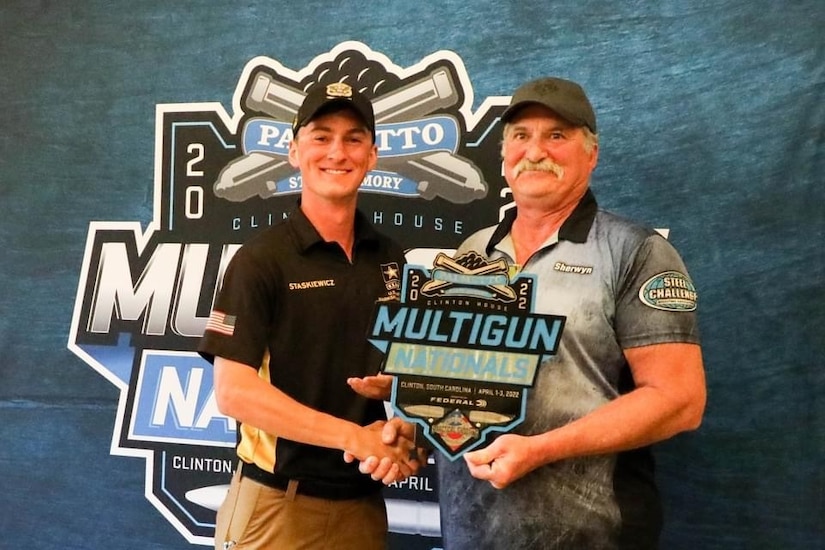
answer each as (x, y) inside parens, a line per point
(306, 236)
(575, 228)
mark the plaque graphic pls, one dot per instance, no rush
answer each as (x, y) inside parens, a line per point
(464, 347)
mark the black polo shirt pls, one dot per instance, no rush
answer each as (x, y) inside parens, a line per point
(295, 308)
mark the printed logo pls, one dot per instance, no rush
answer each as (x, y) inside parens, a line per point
(146, 292)
(669, 291)
(417, 141)
(339, 89)
(455, 430)
(472, 277)
(392, 280)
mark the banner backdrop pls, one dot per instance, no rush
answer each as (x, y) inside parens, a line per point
(142, 145)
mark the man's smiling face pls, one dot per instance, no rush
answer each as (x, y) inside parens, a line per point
(334, 152)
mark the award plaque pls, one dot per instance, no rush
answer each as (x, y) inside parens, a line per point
(464, 347)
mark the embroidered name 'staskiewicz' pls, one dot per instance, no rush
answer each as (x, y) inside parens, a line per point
(311, 284)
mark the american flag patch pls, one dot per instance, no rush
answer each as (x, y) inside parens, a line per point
(221, 323)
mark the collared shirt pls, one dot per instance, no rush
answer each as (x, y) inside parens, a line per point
(298, 311)
(608, 277)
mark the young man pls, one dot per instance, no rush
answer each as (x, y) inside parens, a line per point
(287, 334)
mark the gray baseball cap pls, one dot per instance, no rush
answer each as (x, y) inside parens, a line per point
(564, 97)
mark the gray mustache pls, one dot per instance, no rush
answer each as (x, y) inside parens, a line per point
(543, 166)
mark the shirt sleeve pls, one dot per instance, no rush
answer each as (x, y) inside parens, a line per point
(242, 315)
(656, 298)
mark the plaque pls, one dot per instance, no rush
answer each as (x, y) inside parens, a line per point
(464, 347)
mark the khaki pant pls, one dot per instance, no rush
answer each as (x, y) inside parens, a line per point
(257, 517)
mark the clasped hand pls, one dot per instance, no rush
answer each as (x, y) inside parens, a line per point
(396, 457)
(405, 460)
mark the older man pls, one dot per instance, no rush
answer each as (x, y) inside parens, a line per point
(578, 473)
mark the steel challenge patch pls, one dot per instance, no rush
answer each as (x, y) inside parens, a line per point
(669, 291)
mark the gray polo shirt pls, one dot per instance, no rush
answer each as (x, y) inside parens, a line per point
(620, 285)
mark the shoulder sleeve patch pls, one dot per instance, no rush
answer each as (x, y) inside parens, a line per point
(669, 291)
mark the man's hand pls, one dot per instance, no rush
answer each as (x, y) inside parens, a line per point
(395, 432)
(388, 453)
(505, 460)
(372, 387)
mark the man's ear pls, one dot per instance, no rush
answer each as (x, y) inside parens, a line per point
(374, 159)
(594, 157)
(293, 153)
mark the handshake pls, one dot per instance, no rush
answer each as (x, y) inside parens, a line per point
(386, 451)
(396, 456)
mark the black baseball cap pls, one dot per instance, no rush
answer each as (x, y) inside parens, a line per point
(322, 96)
(564, 97)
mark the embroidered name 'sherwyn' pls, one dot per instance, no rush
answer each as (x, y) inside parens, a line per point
(578, 269)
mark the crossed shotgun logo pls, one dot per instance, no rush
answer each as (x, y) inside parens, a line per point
(469, 274)
(417, 140)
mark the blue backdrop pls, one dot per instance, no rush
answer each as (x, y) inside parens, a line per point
(711, 117)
